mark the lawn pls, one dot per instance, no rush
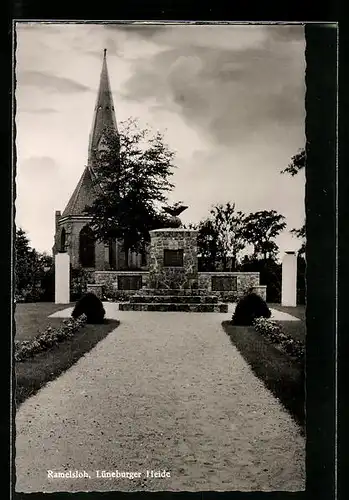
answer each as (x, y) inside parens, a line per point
(298, 311)
(281, 374)
(296, 329)
(32, 318)
(34, 373)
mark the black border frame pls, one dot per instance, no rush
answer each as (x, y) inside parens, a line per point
(321, 200)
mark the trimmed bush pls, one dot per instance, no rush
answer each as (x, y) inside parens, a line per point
(250, 307)
(43, 341)
(91, 306)
(273, 331)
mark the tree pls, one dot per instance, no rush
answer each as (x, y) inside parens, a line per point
(133, 181)
(300, 233)
(23, 257)
(30, 268)
(221, 236)
(261, 229)
(229, 224)
(298, 162)
(207, 244)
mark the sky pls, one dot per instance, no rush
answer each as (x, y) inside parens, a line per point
(229, 100)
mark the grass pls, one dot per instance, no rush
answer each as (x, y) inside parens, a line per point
(32, 318)
(34, 373)
(296, 329)
(298, 311)
(281, 374)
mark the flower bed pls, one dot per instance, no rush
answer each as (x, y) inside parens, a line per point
(273, 331)
(47, 339)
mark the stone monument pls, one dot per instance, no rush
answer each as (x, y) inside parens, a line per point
(289, 280)
(173, 272)
(173, 261)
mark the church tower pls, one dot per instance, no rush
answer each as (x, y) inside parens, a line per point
(104, 116)
(72, 231)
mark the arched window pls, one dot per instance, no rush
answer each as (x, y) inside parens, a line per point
(87, 247)
(112, 254)
(63, 241)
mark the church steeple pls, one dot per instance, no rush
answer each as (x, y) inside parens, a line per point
(104, 113)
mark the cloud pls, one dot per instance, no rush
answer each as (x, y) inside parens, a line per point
(287, 33)
(110, 45)
(228, 90)
(138, 29)
(38, 111)
(38, 165)
(50, 82)
(43, 26)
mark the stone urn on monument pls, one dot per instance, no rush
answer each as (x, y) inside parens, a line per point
(175, 211)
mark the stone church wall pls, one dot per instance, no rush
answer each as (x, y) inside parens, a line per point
(72, 244)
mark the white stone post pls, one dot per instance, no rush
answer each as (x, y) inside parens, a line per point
(62, 278)
(289, 280)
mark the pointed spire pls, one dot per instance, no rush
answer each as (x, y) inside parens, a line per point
(104, 113)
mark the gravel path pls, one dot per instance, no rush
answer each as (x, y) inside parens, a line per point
(164, 391)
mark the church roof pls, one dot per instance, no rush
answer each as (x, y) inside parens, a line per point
(104, 113)
(84, 194)
(104, 116)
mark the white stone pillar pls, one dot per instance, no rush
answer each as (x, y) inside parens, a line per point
(62, 278)
(289, 280)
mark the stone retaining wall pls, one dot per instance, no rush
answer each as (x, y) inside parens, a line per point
(110, 279)
(243, 281)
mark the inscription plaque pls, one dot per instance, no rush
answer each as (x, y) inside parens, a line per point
(173, 258)
(129, 282)
(224, 283)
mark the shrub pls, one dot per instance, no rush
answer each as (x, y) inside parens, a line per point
(270, 275)
(273, 331)
(250, 307)
(29, 294)
(43, 341)
(48, 286)
(79, 278)
(91, 306)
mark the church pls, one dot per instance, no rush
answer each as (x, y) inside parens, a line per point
(73, 233)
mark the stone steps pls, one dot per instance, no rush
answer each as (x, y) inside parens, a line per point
(173, 307)
(175, 299)
(172, 292)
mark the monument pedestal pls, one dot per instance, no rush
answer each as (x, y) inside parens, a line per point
(173, 276)
(173, 261)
